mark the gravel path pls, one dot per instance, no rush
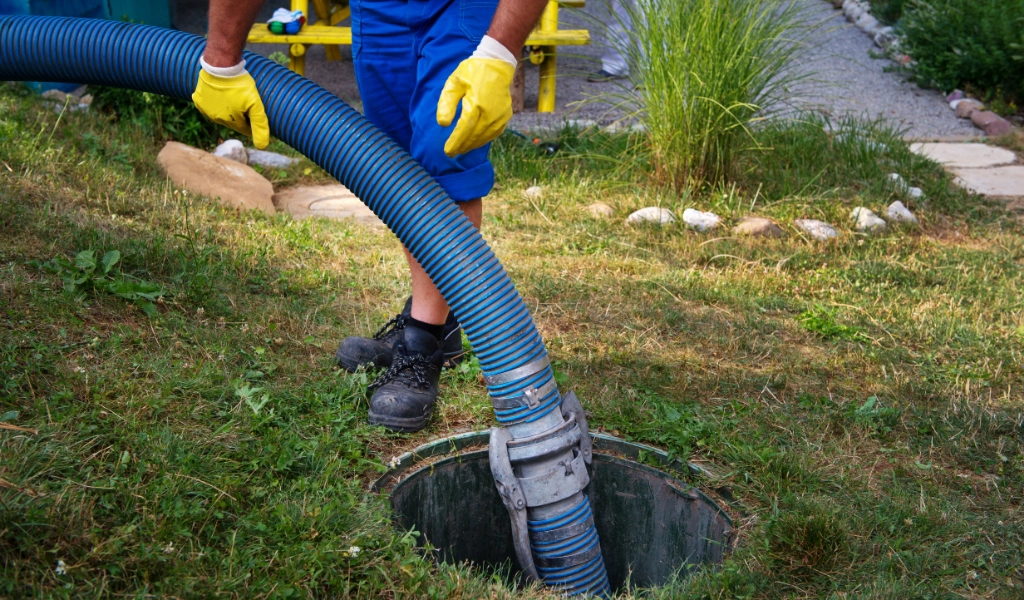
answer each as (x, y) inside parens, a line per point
(849, 81)
(846, 80)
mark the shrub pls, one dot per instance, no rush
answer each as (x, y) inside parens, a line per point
(889, 11)
(978, 44)
(705, 71)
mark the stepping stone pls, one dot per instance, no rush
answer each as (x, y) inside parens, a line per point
(333, 201)
(997, 181)
(234, 185)
(969, 156)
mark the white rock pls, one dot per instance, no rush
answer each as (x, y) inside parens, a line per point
(854, 12)
(915, 192)
(55, 96)
(271, 160)
(600, 210)
(818, 230)
(884, 37)
(868, 24)
(701, 221)
(899, 213)
(956, 103)
(895, 178)
(232, 150)
(652, 214)
(534, 192)
(867, 221)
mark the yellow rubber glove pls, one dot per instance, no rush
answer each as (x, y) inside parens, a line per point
(483, 85)
(233, 102)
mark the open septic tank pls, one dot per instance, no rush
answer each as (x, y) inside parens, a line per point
(652, 525)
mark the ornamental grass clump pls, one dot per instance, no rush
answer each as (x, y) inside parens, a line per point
(703, 72)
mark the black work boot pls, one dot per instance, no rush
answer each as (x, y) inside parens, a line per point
(403, 396)
(376, 352)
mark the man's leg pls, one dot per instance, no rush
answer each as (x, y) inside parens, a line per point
(447, 32)
(618, 41)
(428, 305)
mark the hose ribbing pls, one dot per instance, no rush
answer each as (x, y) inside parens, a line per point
(341, 141)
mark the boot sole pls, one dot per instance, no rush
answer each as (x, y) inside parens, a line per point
(401, 425)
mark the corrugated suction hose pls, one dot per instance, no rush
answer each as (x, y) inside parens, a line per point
(565, 548)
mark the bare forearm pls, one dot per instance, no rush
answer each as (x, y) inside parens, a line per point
(514, 20)
(230, 22)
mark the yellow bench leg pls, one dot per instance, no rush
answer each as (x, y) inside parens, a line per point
(297, 52)
(546, 94)
(297, 58)
(323, 14)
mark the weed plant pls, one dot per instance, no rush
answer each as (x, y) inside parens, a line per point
(705, 72)
(86, 274)
(164, 117)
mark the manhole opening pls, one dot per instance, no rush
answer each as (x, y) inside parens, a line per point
(652, 525)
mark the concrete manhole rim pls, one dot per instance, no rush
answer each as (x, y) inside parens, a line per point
(658, 526)
(610, 448)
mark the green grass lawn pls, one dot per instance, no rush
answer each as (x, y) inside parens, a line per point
(861, 399)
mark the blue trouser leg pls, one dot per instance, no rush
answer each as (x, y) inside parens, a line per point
(404, 51)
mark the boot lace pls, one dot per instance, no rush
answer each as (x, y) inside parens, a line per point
(415, 366)
(396, 324)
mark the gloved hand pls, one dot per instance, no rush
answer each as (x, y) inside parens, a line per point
(228, 96)
(482, 82)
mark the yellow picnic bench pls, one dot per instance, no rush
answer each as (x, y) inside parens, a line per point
(543, 42)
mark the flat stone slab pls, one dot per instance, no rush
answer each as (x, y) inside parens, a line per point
(964, 156)
(995, 181)
(333, 201)
(233, 184)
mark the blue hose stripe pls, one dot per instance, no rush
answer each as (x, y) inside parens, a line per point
(343, 143)
(571, 546)
(577, 574)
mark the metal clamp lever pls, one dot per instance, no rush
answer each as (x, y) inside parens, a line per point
(571, 405)
(512, 497)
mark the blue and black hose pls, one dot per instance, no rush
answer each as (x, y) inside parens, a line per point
(392, 184)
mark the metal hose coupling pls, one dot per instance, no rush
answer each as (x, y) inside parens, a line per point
(540, 470)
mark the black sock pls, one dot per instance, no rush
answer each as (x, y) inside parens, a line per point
(435, 330)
